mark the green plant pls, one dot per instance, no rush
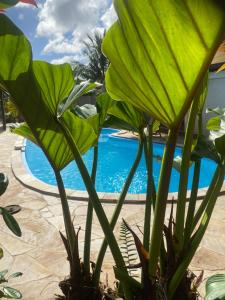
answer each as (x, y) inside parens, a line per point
(10, 221)
(150, 55)
(215, 287)
(97, 63)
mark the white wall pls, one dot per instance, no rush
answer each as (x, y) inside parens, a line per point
(216, 94)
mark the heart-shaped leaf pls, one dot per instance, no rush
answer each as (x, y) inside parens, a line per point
(159, 53)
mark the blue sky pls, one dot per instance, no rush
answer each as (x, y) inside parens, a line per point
(57, 28)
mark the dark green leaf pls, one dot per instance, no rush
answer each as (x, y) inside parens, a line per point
(4, 181)
(11, 222)
(215, 287)
(17, 274)
(1, 253)
(2, 274)
(205, 148)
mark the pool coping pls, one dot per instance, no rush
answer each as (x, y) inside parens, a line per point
(28, 180)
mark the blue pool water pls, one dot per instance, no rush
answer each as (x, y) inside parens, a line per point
(115, 160)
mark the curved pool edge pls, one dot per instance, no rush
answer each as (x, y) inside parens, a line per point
(22, 174)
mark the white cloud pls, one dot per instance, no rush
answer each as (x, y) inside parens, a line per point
(65, 59)
(25, 5)
(109, 17)
(66, 23)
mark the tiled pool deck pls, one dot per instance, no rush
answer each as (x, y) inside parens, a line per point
(39, 253)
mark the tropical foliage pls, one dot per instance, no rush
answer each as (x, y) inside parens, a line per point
(97, 63)
(10, 221)
(159, 53)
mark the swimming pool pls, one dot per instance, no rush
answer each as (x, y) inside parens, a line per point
(115, 159)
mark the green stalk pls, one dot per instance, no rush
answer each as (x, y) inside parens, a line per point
(94, 198)
(161, 201)
(148, 205)
(197, 237)
(182, 192)
(192, 203)
(70, 232)
(108, 233)
(205, 200)
(117, 211)
(89, 219)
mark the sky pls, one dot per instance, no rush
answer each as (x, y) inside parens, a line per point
(57, 28)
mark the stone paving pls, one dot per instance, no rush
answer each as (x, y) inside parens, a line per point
(39, 253)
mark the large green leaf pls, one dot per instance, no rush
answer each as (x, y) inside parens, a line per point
(37, 89)
(215, 287)
(160, 51)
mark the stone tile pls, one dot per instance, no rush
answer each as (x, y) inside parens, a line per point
(44, 289)
(56, 210)
(34, 204)
(31, 269)
(14, 245)
(206, 259)
(56, 262)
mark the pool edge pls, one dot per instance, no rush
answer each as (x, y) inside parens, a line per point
(29, 181)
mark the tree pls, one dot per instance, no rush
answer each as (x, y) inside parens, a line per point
(97, 62)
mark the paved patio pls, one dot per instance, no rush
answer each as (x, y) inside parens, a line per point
(39, 253)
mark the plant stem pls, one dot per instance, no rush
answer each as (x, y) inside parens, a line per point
(94, 198)
(197, 237)
(161, 201)
(192, 203)
(182, 193)
(205, 200)
(89, 219)
(70, 232)
(117, 211)
(148, 203)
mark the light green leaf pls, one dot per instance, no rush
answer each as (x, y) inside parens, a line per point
(55, 81)
(10, 221)
(24, 130)
(78, 91)
(159, 53)
(37, 89)
(129, 114)
(103, 104)
(4, 181)
(215, 287)
(214, 124)
(11, 293)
